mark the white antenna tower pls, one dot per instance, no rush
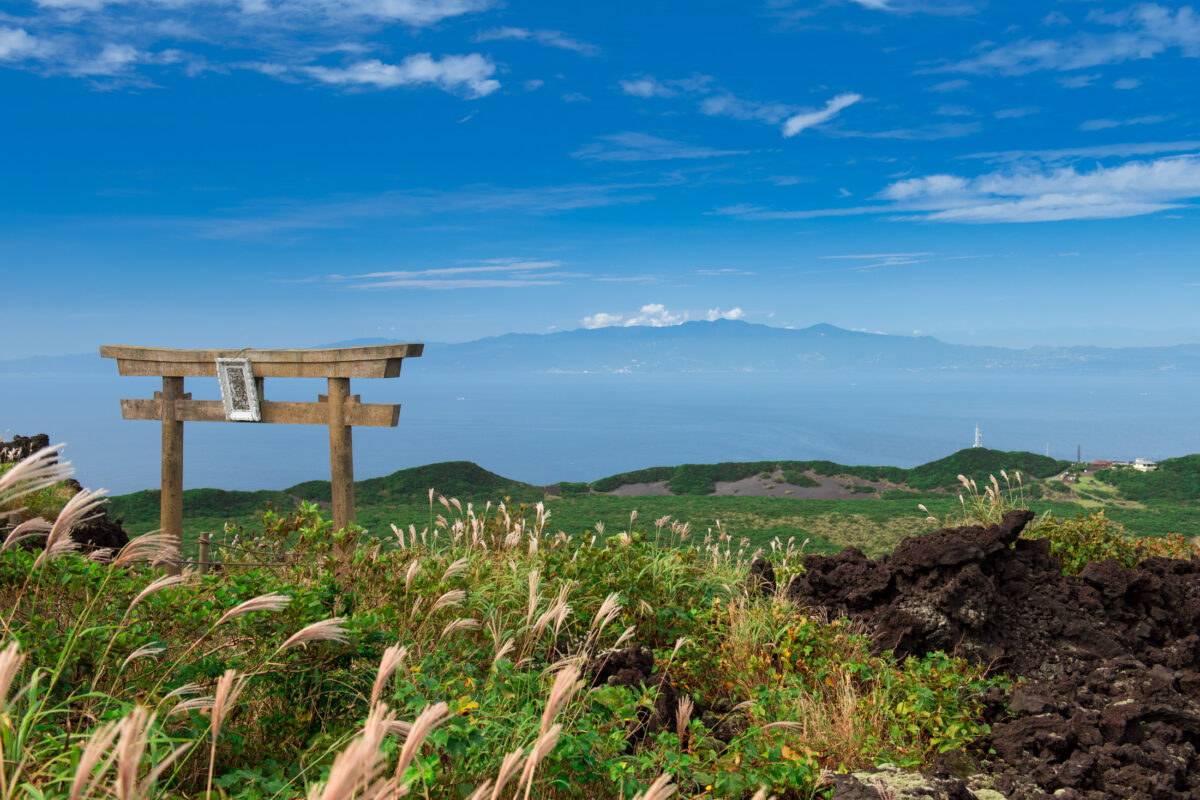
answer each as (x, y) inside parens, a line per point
(978, 436)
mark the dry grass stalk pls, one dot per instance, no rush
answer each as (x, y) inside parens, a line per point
(625, 636)
(86, 776)
(327, 630)
(192, 704)
(534, 596)
(393, 657)
(566, 684)
(165, 582)
(142, 652)
(264, 602)
(40, 470)
(455, 568)
(607, 612)
(683, 716)
(425, 722)
(59, 541)
(508, 767)
(229, 687)
(465, 624)
(156, 547)
(544, 744)
(358, 766)
(411, 573)
(11, 659)
(451, 599)
(134, 731)
(28, 529)
(659, 789)
(502, 650)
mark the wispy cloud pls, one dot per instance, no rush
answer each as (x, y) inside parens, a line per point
(547, 38)
(870, 261)
(655, 315)
(630, 146)
(1104, 124)
(1098, 151)
(952, 85)
(649, 86)
(115, 42)
(798, 122)
(275, 219)
(925, 133)
(1015, 113)
(718, 102)
(1147, 30)
(793, 119)
(1134, 188)
(469, 75)
(486, 274)
(948, 8)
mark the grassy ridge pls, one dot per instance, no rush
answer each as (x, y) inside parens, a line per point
(977, 463)
(874, 524)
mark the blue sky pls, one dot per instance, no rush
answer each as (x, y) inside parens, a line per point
(291, 172)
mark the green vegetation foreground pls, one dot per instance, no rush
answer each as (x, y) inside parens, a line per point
(450, 662)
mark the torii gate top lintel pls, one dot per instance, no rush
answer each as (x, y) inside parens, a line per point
(339, 409)
(375, 361)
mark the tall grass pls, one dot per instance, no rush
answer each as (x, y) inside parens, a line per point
(448, 662)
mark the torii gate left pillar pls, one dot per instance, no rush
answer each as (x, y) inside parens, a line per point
(339, 409)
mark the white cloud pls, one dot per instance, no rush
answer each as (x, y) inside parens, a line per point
(1147, 30)
(1127, 83)
(655, 315)
(547, 38)
(1098, 151)
(947, 110)
(1026, 194)
(953, 85)
(274, 219)
(1016, 113)
(1079, 81)
(469, 74)
(632, 146)
(799, 122)
(115, 41)
(925, 133)
(16, 45)
(878, 5)
(1055, 19)
(647, 87)
(486, 274)
(727, 105)
(283, 13)
(1104, 124)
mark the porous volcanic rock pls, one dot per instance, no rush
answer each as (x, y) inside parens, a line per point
(634, 666)
(96, 532)
(761, 580)
(1111, 703)
(22, 447)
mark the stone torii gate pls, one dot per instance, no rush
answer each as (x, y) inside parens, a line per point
(242, 373)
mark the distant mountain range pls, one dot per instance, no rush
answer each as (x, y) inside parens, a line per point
(730, 346)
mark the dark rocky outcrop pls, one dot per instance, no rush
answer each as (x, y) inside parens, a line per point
(1110, 707)
(22, 447)
(761, 580)
(97, 532)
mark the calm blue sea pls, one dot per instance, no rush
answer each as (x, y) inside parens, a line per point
(546, 428)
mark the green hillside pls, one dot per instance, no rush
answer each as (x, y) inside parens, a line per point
(872, 522)
(975, 462)
(1177, 480)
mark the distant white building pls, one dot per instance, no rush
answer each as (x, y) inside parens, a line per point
(1144, 465)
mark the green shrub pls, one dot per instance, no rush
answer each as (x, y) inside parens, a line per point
(1093, 537)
